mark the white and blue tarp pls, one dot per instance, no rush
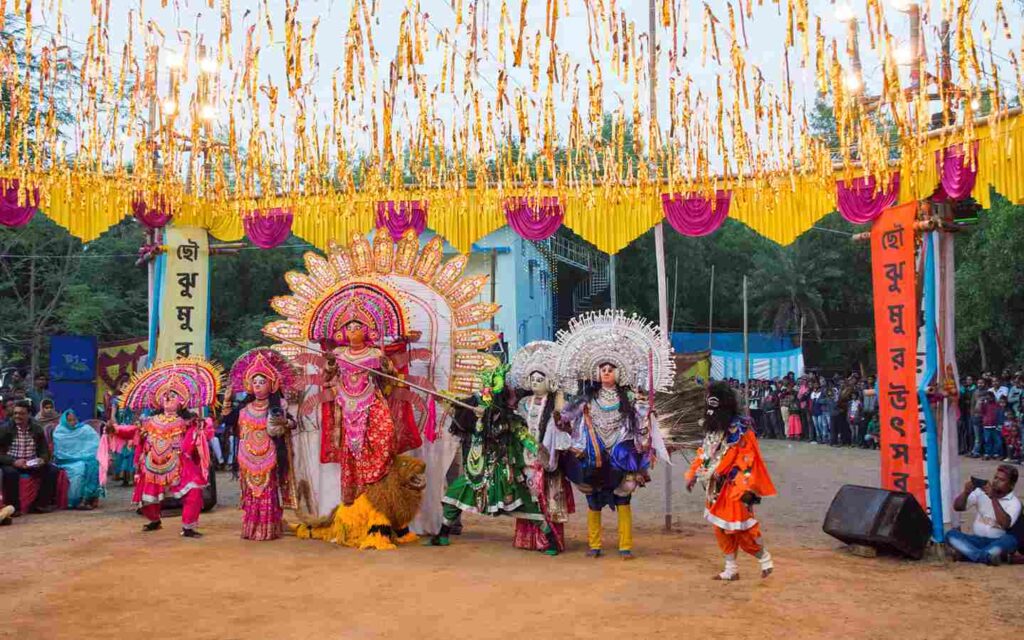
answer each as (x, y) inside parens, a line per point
(763, 366)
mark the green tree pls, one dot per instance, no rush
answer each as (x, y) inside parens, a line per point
(989, 290)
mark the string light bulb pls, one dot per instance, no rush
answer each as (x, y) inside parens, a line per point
(208, 112)
(844, 12)
(852, 82)
(175, 60)
(904, 55)
(208, 65)
(169, 107)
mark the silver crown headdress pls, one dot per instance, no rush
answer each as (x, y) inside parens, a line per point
(541, 356)
(631, 343)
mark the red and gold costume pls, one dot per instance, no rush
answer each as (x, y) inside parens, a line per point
(359, 430)
(259, 469)
(172, 452)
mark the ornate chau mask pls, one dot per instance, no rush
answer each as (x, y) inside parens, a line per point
(539, 384)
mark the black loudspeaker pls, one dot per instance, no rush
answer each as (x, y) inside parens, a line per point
(890, 521)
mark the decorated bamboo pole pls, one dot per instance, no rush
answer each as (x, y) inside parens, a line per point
(659, 229)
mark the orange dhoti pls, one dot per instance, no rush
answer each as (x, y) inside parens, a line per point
(730, 541)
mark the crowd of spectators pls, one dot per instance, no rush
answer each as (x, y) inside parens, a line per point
(836, 411)
(990, 408)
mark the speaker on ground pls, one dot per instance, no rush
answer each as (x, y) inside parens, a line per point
(889, 521)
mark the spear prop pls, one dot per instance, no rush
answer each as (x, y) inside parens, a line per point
(381, 374)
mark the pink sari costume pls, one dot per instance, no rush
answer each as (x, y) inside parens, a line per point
(258, 463)
(172, 452)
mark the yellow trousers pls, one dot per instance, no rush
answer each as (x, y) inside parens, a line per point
(625, 515)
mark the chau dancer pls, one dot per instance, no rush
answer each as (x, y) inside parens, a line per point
(493, 481)
(359, 431)
(730, 466)
(615, 436)
(261, 423)
(173, 442)
(535, 372)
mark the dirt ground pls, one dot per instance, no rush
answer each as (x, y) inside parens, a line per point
(95, 575)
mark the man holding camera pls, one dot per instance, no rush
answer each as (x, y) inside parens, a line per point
(998, 508)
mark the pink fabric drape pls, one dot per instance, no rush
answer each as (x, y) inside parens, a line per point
(153, 217)
(268, 228)
(12, 213)
(695, 215)
(398, 217)
(861, 201)
(956, 173)
(534, 220)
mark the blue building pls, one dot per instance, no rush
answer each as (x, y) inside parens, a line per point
(539, 285)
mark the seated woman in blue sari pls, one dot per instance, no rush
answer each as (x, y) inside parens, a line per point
(75, 446)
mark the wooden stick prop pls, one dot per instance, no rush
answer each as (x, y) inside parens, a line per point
(381, 374)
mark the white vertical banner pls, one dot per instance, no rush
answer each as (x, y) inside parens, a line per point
(185, 295)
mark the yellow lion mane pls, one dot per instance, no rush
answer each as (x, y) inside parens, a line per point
(378, 519)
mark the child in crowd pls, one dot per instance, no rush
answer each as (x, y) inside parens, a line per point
(1011, 437)
(854, 419)
(991, 422)
(873, 435)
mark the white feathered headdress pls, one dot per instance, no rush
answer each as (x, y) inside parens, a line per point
(540, 356)
(641, 354)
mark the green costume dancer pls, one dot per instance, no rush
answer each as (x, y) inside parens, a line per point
(493, 482)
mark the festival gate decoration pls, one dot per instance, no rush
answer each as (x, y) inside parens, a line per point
(402, 289)
(534, 220)
(694, 215)
(184, 294)
(408, 214)
(12, 212)
(895, 302)
(267, 229)
(958, 171)
(151, 217)
(862, 200)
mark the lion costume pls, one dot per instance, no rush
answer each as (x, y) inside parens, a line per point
(380, 516)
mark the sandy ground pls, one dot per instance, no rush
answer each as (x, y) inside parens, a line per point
(95, 575)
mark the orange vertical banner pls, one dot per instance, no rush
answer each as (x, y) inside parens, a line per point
(895, 302)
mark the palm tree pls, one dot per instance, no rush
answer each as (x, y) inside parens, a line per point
(784, 294)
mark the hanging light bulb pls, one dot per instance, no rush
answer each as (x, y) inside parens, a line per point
(844, 12)
(852, 82)
(904, 55)
(976, 104)
(175, 60)
(170, 107)
(208, 65)
(208, 112)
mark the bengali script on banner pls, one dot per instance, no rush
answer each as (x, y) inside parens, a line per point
(895, 303)
(184, 296)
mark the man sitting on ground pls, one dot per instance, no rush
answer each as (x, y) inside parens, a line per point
(997, 507)
(24, 450)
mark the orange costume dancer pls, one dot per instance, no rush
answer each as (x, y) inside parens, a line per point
(730, 466)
